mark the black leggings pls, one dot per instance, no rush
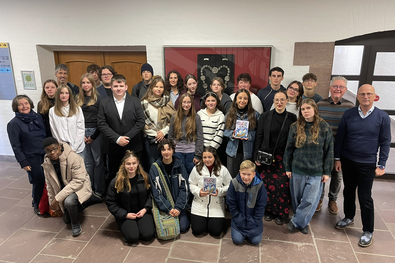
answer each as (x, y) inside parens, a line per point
(133, 229)
(213, 225)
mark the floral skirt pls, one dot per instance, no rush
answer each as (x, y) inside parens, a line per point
(277, 187)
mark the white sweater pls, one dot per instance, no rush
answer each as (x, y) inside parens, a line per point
(209, 206)
(213, 127)
(68, 129)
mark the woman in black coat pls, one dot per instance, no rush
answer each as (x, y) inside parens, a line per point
(129, 200)
(269, 132)
(26, 132)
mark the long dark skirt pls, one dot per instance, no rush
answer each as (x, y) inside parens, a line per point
(277, 187)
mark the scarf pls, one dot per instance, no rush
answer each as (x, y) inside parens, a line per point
(165, 111)
(32, 122)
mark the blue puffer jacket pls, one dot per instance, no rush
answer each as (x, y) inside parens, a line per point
(248, 145)
(177, 183)
(247, 205)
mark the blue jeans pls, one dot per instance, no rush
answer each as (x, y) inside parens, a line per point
(94, 162)
(305, 194)
(187, 160)
(184, 221)
(238, 237)
(151, 154)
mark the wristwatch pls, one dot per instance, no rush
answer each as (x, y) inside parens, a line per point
(382, 167)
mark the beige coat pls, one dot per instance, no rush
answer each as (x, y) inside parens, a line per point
(74, 175)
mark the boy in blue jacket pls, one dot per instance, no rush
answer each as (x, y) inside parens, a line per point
(246, 199)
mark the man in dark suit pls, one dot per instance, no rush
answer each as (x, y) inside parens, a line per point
(121, 120)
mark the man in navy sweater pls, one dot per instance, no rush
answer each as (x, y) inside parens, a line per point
(362, 132)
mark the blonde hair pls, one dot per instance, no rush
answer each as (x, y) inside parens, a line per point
(80, 98)
(122, 180)
(301, 125)
(247, 164)
(58, 104)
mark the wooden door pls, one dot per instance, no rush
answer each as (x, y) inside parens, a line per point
(127, 63)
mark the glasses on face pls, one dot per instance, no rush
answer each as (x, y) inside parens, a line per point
(365, 94)
(106, 74)
(279, 100)
(294, 89)
(338, 87)
(51, 151)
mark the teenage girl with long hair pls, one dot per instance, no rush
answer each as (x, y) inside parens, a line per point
(208, 209)
(67, 120)
(308, 161)
(239, 150)
(88, 99)
(190, 86)
(130, 202)
(47, 101)
(186, 129)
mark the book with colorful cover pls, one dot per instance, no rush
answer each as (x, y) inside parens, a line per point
(210, 185)
(241, 130)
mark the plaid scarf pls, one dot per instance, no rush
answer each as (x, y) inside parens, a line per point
(165, 111)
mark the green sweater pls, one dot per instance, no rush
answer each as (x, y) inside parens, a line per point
(310, 159)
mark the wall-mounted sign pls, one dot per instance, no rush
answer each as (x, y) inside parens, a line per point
(7, 82)
(29, 83)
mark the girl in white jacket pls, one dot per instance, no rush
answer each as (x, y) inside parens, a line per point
(208, 208)
(67, 120)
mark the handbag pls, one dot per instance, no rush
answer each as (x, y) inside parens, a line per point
(167, 226)
(267, 158)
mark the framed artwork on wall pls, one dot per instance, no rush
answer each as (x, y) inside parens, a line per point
(225, 62)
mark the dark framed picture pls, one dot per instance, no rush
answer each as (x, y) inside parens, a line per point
(225, 62)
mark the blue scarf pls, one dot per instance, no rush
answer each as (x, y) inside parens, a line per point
(31, 119)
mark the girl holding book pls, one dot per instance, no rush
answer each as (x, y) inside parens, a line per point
(186, 129)
(238, 148)
(208, 206)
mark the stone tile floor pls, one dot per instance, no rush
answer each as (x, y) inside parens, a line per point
(25, 237)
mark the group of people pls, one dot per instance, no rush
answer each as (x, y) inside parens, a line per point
(87, 142)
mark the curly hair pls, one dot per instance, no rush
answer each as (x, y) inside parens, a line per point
(122, 180)
(217, 162)
(180, 82)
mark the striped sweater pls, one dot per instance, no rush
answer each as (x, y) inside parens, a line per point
(332, 113)
(213, 127)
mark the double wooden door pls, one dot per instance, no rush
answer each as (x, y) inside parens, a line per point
(126, 63)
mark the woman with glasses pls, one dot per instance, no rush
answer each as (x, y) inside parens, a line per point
(26, 131)
(294, 93)
(271, 137)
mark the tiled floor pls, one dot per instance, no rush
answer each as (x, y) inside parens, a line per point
(25, 237)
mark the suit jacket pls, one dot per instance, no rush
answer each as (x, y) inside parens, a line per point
(262, 138)
(111, 126)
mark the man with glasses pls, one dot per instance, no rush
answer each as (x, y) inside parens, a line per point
(363, 131)
(332, 110)
(62, 74)
(107, 72)
(68, 183)
(266, 95)
(309, 83)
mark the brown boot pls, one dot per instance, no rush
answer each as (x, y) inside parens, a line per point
(332, 207)
(319, 206)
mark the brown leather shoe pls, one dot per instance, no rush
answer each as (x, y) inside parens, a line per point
(332, 207)
(319, 206)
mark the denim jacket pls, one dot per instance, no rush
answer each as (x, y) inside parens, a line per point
(248, 145)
